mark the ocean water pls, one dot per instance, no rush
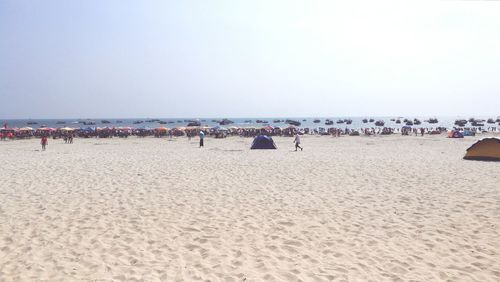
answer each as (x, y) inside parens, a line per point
(306, 122)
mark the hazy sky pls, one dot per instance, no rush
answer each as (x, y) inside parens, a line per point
(248, 58)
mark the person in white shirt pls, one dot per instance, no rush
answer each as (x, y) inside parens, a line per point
(297, 142)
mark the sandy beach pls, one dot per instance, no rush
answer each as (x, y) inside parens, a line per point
(385, 208)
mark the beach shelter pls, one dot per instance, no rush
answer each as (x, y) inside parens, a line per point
(263, 142)
(487, 149)
(25, 129)
(455, 134)
(469, 133)
(268, 128)
(67, 129)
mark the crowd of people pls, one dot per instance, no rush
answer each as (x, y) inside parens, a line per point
(217, 132)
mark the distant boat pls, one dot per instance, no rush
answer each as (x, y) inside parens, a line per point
(225, 122)
(304, 120)
(460, 122)
(417, 121)
(372, 120)
(105, 121)
(248, 121)
(490, 120)
(477, 123)
(317, 121)
(32, 122)
(398, 121)
(365, 120)
(194, 123)
(432, 120)
(379, 123)
(409, 122)
(162, 122)
(61, 122)
(88, 123)
(277, 121)
(329, 122)
(119, 121)
(340, 121)
(259, 121)
(293, 122)
(138, 122)
(348, 121)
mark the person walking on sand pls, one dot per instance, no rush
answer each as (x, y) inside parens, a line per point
(297, 142)
(202, 136)
(44, 142)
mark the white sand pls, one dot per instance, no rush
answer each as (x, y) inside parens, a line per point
(352, 208)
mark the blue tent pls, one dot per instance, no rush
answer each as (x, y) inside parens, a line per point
(88, 129)
(455, 134)
(469, 133)
(263, 142)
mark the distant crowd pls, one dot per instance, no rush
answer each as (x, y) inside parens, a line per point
(68, 134)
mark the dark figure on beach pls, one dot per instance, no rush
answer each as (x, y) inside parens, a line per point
(297, 142)
(202, 136)
(44, 142)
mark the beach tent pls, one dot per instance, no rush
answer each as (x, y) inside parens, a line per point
(469, 133)
(455, 134)
(263, 142)
(218, 128)
(487, 149)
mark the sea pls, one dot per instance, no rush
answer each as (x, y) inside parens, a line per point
(305, 122)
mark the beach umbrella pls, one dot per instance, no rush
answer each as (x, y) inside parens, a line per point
(25, 129)
(45, 129)
(161, 129)
(67, 129)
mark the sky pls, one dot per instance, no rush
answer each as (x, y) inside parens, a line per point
(119, 58)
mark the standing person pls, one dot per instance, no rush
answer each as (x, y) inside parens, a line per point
(202, 136)
(44, 142)
(297, 142)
